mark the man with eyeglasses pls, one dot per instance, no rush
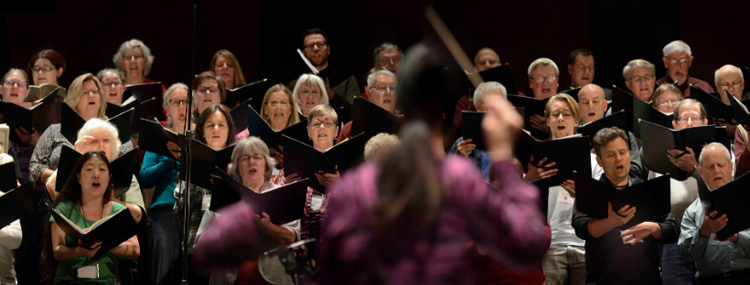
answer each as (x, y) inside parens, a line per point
(543, 81)
(640, 79)
(729, 80)
(717, 261)
(316, 49)
(581, 70)
(677, 59)
(381, 90)
(388, 56)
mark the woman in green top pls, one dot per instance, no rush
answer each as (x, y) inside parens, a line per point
(86, 198)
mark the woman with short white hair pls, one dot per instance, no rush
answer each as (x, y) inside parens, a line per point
(309, 91)
(134, 59)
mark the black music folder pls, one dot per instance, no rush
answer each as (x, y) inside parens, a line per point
(715, 109)
(239, 116)
(73, 123)
(532, 106)
(740, 109)
(372, 119)
(636, 109)
(114, 110)
(260, 128)
(17, 203)
(154, 138)
(572, 91)
(254, 91)
(731, 199)
(651, 198)
(111, 230)
(43, 113)
(204, 158)
(45, 90)
(8, 176)
(661, 139)
(121, 168)
(617, 119)
(150, 97)
(570, 154)
(304, 160)
(502, 75)
(471, 128)
(283, 204)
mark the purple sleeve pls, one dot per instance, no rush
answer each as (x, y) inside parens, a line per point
(233, 237)
(508, 222)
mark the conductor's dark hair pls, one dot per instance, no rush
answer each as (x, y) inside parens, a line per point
(315, 31)
(605, 136)
(581, 51)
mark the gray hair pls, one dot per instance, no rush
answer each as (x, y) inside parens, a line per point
(310, 79)
(256, 145)
(737, 69)
(322, 110)
(488, 86)
(172, 88)
(371, 76)
(642, 63)
(543, 61)
(676, 46)
(96, 124)
(144, 49)
(382, 47)
(716, 144)
(378, 143)
(117, 72)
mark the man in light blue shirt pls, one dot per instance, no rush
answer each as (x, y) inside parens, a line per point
(718, 262)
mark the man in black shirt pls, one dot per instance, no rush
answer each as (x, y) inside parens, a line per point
(620, 249)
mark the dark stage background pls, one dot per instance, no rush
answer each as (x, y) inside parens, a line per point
(264, 34)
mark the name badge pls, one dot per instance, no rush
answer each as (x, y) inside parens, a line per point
(316, 202)
(89, 272)
(564, 197)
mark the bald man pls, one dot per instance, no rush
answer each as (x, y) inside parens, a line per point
(717, 261)
(485, 59)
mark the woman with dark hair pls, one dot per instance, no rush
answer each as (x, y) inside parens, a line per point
(85, 199)
(214, 128)
(46, 66)
(208, 90)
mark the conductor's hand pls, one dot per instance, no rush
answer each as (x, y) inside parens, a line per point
(500, 125)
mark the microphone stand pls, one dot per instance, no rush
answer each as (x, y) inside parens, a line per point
(188, 156)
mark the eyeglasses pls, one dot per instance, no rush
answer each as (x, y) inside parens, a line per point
(667, 103)
(247, 158)
(42, 68)
(541, 79)
(638, 79)
(176, 103)
(320, 45)
(132, 57)
(383, 88)
(565, 115)
(687, 119)
(319, 123)
(91, 92)
(681, 61)
(734, 86)
(111, 84)
(209, 90)
(391, 60)
(279, 105)
(12, 83)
